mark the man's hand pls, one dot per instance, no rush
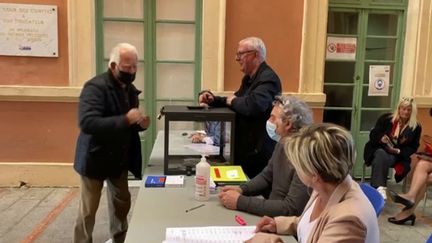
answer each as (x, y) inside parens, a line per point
(229, 198)
(230, 99)
(197, 138)
(266, 224)
(134, 116)
(206, 97)
(233, 188)
(145, 122)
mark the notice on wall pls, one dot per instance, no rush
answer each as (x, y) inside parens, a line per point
(339, 48)
(28, 30)
(379, 80)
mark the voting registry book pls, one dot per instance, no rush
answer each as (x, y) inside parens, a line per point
(228, 175)
(155, 181)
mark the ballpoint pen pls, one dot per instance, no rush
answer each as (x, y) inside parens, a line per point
(190, 209)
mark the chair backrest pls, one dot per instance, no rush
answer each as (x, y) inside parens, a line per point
(374, 197)
(429, 240)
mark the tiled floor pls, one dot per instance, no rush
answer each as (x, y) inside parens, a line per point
(48, 215)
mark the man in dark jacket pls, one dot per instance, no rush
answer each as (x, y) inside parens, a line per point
(252, 104)
(108, 144)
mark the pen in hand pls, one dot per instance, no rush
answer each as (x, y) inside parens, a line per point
(190, 209)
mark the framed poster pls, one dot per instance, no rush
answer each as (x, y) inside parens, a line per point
(28, 30)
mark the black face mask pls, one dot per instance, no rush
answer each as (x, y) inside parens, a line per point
(126, 78)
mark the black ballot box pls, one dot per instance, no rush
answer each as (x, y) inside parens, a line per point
(217, 125)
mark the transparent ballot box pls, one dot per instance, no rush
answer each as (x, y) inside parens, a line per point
(213, 129)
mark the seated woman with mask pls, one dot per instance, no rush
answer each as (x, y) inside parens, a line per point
(338, 211)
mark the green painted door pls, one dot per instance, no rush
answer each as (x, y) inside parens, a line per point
(167, 34)
(359, 39)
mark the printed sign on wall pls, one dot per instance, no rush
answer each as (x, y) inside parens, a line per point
(28, 30)
(339, 48)
(379, 80)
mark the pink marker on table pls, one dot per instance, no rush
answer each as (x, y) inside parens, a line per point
(240, 220)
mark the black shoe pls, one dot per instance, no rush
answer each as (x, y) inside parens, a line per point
(398, 199)
(411, 218)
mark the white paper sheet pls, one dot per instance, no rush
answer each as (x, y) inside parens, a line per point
(210, 234)
(203, 148)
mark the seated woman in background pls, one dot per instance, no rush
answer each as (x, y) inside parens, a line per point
(338, 211)
(392, 141)
(422, 177)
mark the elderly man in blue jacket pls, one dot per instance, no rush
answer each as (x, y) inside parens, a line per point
(108, 144)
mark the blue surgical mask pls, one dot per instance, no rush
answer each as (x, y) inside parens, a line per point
(271, 131)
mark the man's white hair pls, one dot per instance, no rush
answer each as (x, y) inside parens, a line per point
(256, 44)
(115, 52)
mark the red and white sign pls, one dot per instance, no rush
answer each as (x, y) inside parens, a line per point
(339, 48)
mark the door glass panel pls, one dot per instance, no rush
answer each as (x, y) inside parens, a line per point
(338, 96)
(339, 72)
(369, 118)
(124, 8)
(375, 101)
(380, 49)
(388, 1)
(342, 23)
(117, 32)
(175, 80)
(339, 117)
(382, 24)
(175, 9)
(366, 71)
(175, 41)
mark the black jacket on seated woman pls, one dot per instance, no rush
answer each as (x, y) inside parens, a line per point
(406, 143)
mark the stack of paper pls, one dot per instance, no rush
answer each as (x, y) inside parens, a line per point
(210, 234)
(174, 181)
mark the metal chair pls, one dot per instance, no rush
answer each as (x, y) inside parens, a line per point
(374, 197)
(429, 240)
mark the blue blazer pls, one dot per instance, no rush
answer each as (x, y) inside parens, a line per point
(107, 144)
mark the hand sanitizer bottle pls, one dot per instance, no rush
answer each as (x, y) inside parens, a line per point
(202, 180)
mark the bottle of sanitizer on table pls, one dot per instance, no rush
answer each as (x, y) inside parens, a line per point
(202, 180)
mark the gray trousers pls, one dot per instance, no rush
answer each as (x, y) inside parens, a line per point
(381, 163)
(119, 203)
